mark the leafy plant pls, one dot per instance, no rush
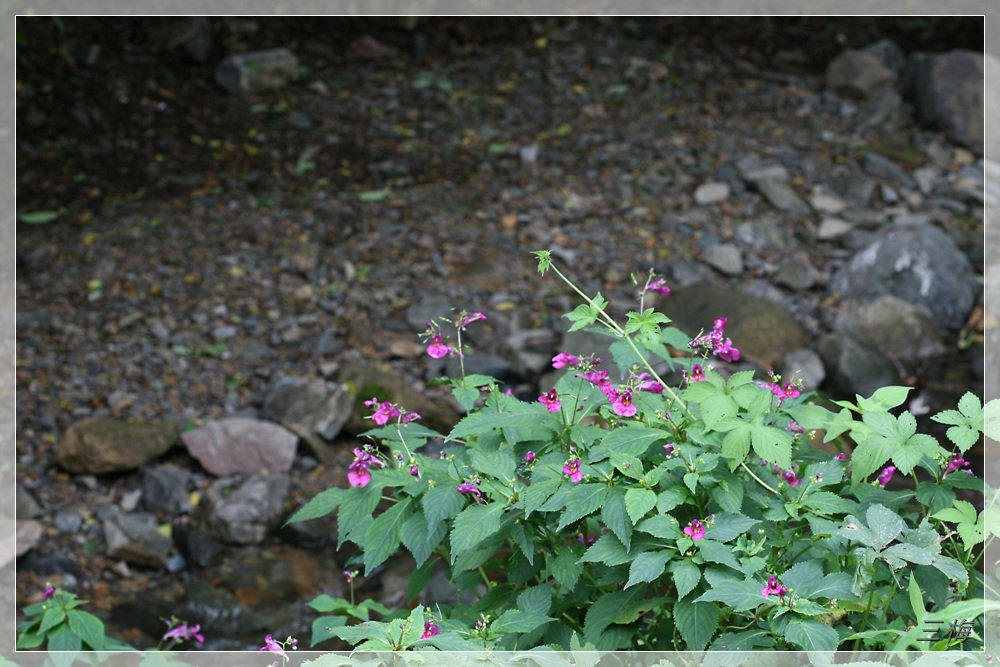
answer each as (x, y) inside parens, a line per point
(645, 515)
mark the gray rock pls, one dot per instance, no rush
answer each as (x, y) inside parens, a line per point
(322, 345)
(970, 184)
(890, 55)
(947, 93)
(782, 197)
(725, 257)
(192, 34)
(855, 366)
(224, 332)
(487, 364)
(920, 264)
(244, 511)
(315, 410)
(241, 445)
(429, 308)
(67, 522)
(257, 71)
(26, 505)
(884, 109)
(910, 219)
(825, 201)
(926, 177)
(198, 547)
(857, 188)
(902, 331)
(219, 610)
(752, 169)
(889, 194)
(886, 169)
(99, 445)
(165, 489)
(134, 538)
(833, 228)
(685, 273)
(130, 500)
(858, 75)
(803, 364)
(300, 121)
(27, 535)
(797, 273)
(711, 193)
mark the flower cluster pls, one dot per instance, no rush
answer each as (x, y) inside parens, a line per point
(359, 475)
(716, 342)
(789, 476)
(385, 411)
(273, 646)
(621, 398)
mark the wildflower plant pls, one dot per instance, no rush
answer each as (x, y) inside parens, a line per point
(645, 514)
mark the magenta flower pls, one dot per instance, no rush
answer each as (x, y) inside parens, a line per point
(793, 427)
(956, 463)
(273, 647)
(725, 351)
(623, 406)
(385, 412)
(429, 630)
(415, 472)
(411, 416)
(659, 286)
(841, 457)
(573, 470)
(551, 399)
(695, 531)
(719, 325)
(437, 348)
(183, 632)
(529, 457)
(697, 374)
(669, 450)
(647, 383)
(348, 575)
(466, 487)
(564, 359)
(791, 478)
(773, 588)
(886, 475)
(359, 475)
(50, 591)
(586, 540)
(469, 319)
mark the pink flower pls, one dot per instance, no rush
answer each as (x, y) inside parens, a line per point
(469, 319)
(437, 348)
(466, 487)
(720, 324)
(184, 632)
(551, 399)
(793, 427)
(430, 630)
(955, 463)
(573, 470)
(586, 541)
(841, 457)
(695, 531)
(659, 286)
(273, 647)
(773, 588)
(622, 406)
(385, 412)
(359, 475)
(647, 383)
(886, 475)
(725, 351)
(791, 479)
(415, 472)
(529, 457)
(668, 449)
(348, 575)
(697, 373)
(564, 359)
(411, 416)
(50, 591)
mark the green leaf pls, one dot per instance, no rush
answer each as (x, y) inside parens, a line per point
(324, 503)
(729, 526)
(812, 635)
(63, 639)
(440, 504)
(582, 500)
(772, 444)
(616, 517)
(884, 399)
(697, 622)
(885, 525)
(638, 502)
(670, 498)
(637, 608)
(419, 579)
(909, 553)
(500, 463)
(466, 397)
(728, 493)
(473, 525)
(383, 536)
(322, 628)
(356, 510)
(647, 567)
(536, 599)
(686, 576)
(630, 440)
(418, 539)
(602, 612)
(87, 627)
(829, 503)
(565, 569)
(963, 511)
(38, 217)
(736, 444)
(952, 569)
(662, 526)
(515, 620)
(836, 585)
(52, 617)
(935, 496)
(812, 417)
(716, 552)
(740, 595)
(521, 415)
(608, 550)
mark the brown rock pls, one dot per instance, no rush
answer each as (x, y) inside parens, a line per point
(365, 380)
(241, 446)
(99, 445)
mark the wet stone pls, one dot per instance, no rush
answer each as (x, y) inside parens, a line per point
(165, 489)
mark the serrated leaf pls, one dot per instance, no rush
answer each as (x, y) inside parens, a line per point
(615, 516)
(87, 627)
(935, 496)
(321, 505)
(686, 576)
(670, 498)
(638, 502)
(473, 525)
(740, 595)
(884, 524)
(991, 417)
(883, 399)
(662, 526)
(357, 506)
(565, 568)
(962, 511)
(812, 635)
(418, 539)
(583, 499)
(440, 504)
(629, 440)
(515, 620)
(605, 609)
(829, 503)
(728, 526)
(383, 536)
(322, 628)
(608, 550)
(466, 397)
(536, 599)
(63, 639)
(716, 552)
(772, 444)
(500, 463)
(697, 622)
(520, 415)
(632, 612)
(646, 567)
(52, 617)
(910, 553)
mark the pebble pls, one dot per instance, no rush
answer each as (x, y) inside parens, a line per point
(832, 228)
(225, 332)
(711, 193)
(725, 257)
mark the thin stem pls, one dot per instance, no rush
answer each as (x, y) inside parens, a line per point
(871, 601)
(759, 480)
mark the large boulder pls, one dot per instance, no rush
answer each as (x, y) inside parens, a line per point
(100, 445)
(946, 91)
(314, 409)
(241, 446)
(244, 511)
(134, 538)
(919, 264)
(858, 75)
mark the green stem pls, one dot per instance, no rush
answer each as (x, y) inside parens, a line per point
(759, 480)
(871, 601)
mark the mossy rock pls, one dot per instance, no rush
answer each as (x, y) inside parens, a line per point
(366, 380)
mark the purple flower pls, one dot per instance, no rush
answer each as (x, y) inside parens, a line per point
(600, 378)
(466, 487)
(411, 416)
(793, 427)
(415, 472)
(669, 450)
(886, 475)
(697, 373)
(791, 479)
(573, 470)
(469, 319)
(659, 286)
(385, 412)
(622, 404)
(50, 591)
(437, 348)
(564, 359)
(647, 383)
(529, 457)
(773, 588)
(429, 630)
(725, 351)
(695, 531)
(359, 475)
(183, 632)
(956, 463)
(348, 575)
(551, 399)
(273, 647)
(841, 457)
